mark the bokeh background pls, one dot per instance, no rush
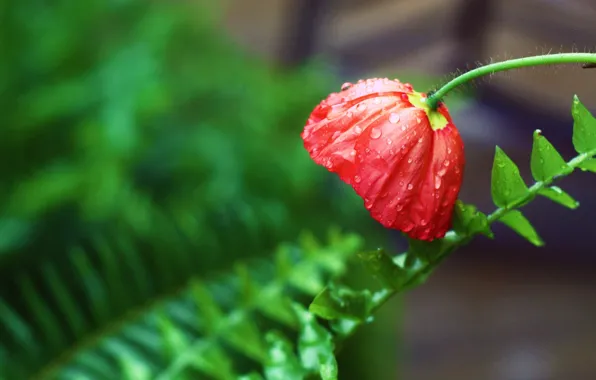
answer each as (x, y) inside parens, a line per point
(173, 127)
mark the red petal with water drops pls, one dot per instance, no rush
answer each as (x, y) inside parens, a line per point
(405, 160)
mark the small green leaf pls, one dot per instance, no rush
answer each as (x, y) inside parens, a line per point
(340, 302)
(315, 345)
(208, 358)
(555, 194)
(584, 127)
(209, 311)
(588, 165)
(546, 162)
(467, 220)
(173, 338)
(276, 305)
(243, 334)
(382, 267)
(282, 363)
(507, 185)
(515, 220)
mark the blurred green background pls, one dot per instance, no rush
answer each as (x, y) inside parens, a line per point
(141, 145)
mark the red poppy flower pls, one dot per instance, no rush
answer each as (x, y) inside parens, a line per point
(403, 158)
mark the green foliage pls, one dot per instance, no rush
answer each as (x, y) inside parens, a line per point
(507, 185)
(546, 162)
(143, 149)
(347, 309)
(584, 128)
(518, 222)
(205, 329)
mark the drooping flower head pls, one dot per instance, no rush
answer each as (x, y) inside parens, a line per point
(404, 159)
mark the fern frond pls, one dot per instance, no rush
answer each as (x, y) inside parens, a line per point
(206, 329)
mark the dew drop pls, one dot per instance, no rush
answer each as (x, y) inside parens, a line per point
(394, 118)
(329, 165)
(357, 179)
(375, 133)
(410, 186)
(353, 152)
(437, 182)
(446, 163)
(367, 203)
(358, 130)
(346, 86)
(420, 140)
(403, 127)
(401, 183)
(389, 142)
(448, 150)
(409, 160)
(423, 222)
(399, 207)
(418, 120)
(377, 101)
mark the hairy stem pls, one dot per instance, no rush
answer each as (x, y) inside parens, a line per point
(550, 59)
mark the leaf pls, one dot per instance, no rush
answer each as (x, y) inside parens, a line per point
(507, 185)
(467, 220)
(282, 363)
(588, 165)
(555, 194)
(584, 127)
(546, 163)
(315, 345)
(243, 333)
(383, 268)
(515, 220)
(340, 302)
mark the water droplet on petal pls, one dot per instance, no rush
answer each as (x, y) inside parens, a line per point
(446, 163)
(353, 152)
(437, 182)
(399, 207)
(401, 183)
(410, 186)
(389, 142)
(357, 179)
(375, 133)
(329, 165)
(367, 203)
(420, 140)
(448, 150)
(409, 160)
(346, 86)
(377, 100)
(418, 120)
(403, 127)
(394, 118)
(358, 130)
(423, 222)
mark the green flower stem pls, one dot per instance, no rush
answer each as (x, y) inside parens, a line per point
(550, 59)
(453, 240)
